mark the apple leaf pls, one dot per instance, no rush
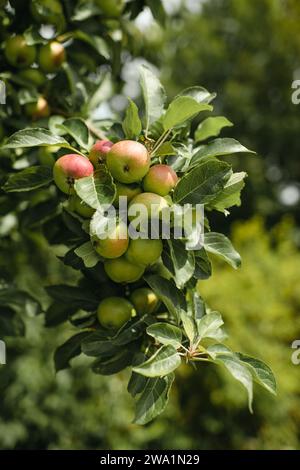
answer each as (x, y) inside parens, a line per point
(29, 179)
(154, 399)
(218, 147)
(211, 127)
(166, 333)
(96, 189)
(77, 129)
(202, 183)
(221, 246)
(34, 138)
(163, 362)
(154, 96)
(132, 125)
(181, 109)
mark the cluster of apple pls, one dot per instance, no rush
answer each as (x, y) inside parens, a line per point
(125, 259)
(34, 63)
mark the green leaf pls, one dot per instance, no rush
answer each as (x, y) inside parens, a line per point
(201, 184)
(88, 255)
(11, 323)
(217, 148)
(202, 265)
(209, 326)
(167, 292)
(97, 189)
(221, 246)
(166, 333)
(231, 194)
(164, 150)
(132, 125)
(112, 365)
(181, 109)
(74, 296)
(34, 138)
(199, 93)
(137, 382)
(163, 362)
(239, 371)
(77, 129)
(154, 96)
(189, 325)
(154, 399)
(71, 348)
(260, 371)
(29, 179)
(58, 313)
(96, 42)
(183, 261)
(211, 127)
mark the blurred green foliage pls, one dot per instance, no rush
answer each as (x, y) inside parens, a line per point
(249, 53)
(76, 409)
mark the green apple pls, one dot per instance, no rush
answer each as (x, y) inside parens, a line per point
(115, 244)
(46, 154)
(112, 8)
(126, 190)
(51, 57)
(18, 53)
(38, 110)
(144, 251)
(34, 76)
(153, 205)
(144, 300)
(114, 312)
(160, 179)
(121, 270)
(80, 207)
(99, 150)
(128, 161)
(69, 168)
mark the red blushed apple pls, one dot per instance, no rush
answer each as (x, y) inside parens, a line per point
(69, 168)
(160, 179)
(99, 150)
(128, 161)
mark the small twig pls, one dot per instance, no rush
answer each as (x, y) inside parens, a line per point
(95, 131)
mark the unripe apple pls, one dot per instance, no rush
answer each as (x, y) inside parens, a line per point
(114, 312)
(80, 207)
(99, 151)
(115, 244)
(69, 168)
(38, 110)
(144, 251)
(126, 190)
(121, 270)
(128, 161)
(160, 179)
(112, 8)
(46, 154)
(144, 300)
(51, 56)
(153, 204)
(18, 53)
(33, 76)
(48, 12)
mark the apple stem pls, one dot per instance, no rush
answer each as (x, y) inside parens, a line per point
(160, 141)
(95, 131)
